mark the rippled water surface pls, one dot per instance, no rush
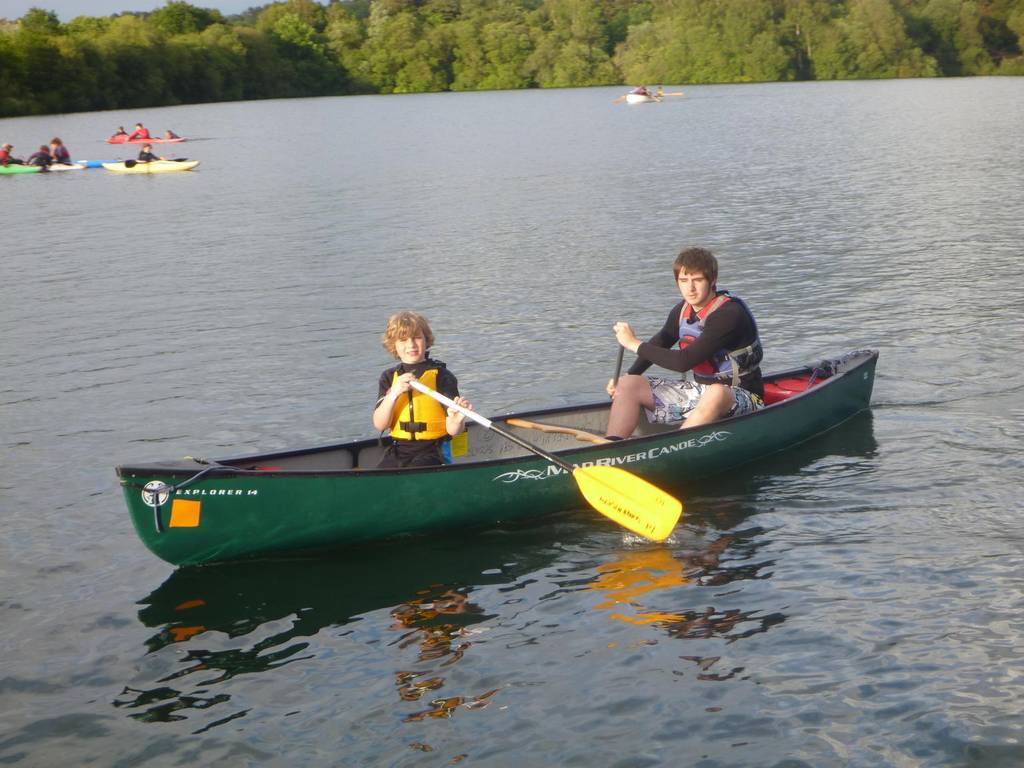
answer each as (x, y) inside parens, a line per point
(855, 601)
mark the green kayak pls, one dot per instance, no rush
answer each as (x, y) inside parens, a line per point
(11, 169)
(197, 511)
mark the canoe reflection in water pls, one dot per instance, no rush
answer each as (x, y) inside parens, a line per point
(273, 606)
(438, 625)
(408, 613)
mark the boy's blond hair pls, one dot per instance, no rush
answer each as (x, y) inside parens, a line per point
(406, 325)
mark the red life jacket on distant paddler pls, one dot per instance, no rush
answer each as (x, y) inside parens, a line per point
(726, 366)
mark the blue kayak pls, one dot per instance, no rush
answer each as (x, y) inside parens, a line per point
(93, 163)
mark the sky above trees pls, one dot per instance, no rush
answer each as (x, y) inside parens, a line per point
(69, 9)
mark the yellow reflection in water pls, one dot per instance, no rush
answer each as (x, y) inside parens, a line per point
(635, 574)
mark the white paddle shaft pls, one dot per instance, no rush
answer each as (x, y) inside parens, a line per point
(471, 415)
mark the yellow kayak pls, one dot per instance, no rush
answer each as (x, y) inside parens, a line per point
(154, 166)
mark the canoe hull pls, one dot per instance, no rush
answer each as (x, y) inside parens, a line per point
(639, 98)
(154, 166)
(258, 506)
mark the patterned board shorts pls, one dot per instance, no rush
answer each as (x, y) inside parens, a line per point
(674, 398)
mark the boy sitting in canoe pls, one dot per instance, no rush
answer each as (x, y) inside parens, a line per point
(421, 428)
(717, 339)
(140, 132)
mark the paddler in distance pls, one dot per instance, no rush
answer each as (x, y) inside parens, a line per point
(146, 154)
(140, 132)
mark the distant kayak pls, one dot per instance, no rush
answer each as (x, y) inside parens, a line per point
(117, 139)
(640, 98)
(93, 163)
(154, 166)
(11, 169)
(644, 95)
(67, 166)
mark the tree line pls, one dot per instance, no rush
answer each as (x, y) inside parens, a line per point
(183, 54)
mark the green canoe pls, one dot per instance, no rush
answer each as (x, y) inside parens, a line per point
(11, 169)
(196, 511)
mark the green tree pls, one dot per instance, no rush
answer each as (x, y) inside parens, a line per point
(491, 49)
(570, 42)
(704, 41)
(39, 22)
(404, 55)
(876, 43)
(134, 51)
(179, 18)
(345, 35)
(1014, 65)
(806, 24)
(950, 32)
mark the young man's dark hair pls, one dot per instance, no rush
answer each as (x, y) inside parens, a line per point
(697, 260)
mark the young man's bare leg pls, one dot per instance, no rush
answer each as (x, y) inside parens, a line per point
(631, 393)
(714, 404)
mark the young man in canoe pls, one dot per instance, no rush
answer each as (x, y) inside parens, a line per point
(421, 428)
(710, 333)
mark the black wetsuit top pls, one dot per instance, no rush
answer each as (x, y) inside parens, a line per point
(728, 327)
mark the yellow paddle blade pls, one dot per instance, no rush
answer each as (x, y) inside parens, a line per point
(629, 500)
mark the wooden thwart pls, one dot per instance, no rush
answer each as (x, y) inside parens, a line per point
(579, 434)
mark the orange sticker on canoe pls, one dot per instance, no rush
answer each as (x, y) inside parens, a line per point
(185, 513)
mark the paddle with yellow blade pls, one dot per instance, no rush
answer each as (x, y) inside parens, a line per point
(619, 495)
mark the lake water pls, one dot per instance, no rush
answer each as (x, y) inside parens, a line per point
(856, 601)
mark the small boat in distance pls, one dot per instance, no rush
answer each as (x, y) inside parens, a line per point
(641, 95)
(644, 95)
(123, 139)
(193, 511)
(153, 166)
